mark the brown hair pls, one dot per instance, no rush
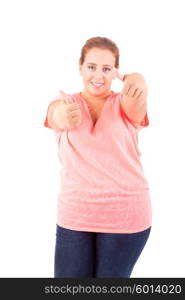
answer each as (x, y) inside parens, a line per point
(101, 43)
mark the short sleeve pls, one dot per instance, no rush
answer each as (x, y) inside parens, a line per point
(138, 126)
(142, 124)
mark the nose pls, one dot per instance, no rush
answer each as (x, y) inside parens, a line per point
(98, 74)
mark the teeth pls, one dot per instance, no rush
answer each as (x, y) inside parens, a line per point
(97, 84)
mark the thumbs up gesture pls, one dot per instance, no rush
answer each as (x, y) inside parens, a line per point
(134, 84)
(68, 112)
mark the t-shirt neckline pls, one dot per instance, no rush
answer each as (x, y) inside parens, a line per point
(88, 109)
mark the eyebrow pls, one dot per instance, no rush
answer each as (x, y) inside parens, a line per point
(96, 64)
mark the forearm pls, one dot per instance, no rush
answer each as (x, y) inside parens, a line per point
(54, 116)
(135, 109)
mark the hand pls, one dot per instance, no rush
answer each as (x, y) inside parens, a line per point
(135, 85)
(68, 112)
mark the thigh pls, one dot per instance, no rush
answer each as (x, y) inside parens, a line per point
(74, 253)
(117, 253)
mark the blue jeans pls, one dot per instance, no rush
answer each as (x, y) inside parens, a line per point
(95, 254)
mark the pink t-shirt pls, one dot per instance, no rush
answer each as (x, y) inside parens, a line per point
(103, 186)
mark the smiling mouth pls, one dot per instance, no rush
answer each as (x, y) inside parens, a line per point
(97, 85)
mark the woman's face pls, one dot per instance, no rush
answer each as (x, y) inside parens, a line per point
(97, 71)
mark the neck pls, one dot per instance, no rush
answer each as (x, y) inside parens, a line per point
(99, 98)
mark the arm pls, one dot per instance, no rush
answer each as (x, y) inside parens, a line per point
(135, 108)
(52, 118)
(63, 114)
(134, 97)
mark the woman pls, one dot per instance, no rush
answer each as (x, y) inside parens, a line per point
(104, 210)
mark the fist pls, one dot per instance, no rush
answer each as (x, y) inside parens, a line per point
(69, 112)
(135, 84)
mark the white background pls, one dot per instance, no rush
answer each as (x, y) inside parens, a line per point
(40, 48)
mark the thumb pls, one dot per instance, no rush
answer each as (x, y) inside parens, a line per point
(64, 97)
(118, 75)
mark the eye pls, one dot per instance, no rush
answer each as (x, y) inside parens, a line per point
(106, 69)
(91, 67)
